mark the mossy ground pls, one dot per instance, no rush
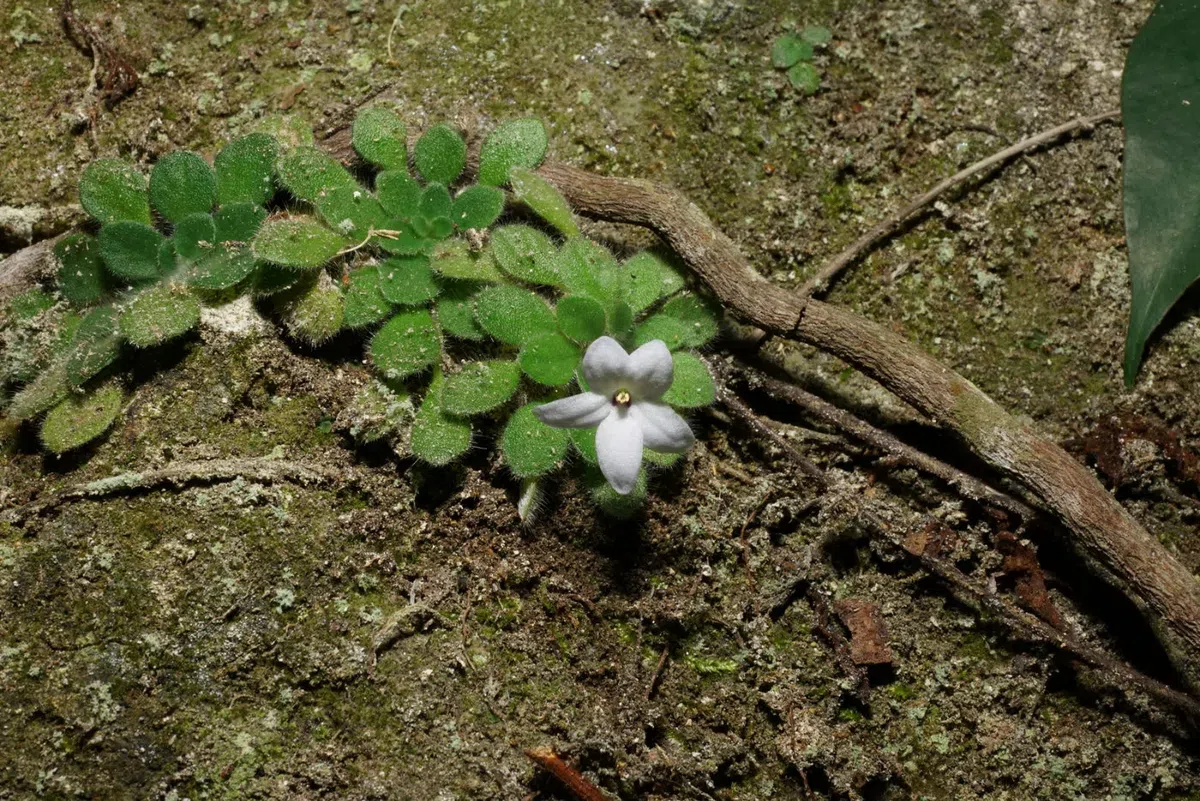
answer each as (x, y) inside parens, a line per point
(215, 641)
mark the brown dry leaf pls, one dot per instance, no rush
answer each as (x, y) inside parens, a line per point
(868, 632)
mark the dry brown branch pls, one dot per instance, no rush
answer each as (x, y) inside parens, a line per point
(572, 779)
(820, 280)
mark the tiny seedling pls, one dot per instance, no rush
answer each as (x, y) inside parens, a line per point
(794, 52)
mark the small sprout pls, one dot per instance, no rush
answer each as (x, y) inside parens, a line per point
(407, 344)
(527, 254)
(182, 183)
(195, 236)
(306, 172)
(477, 207)
(790, 49)
(399, 193)
(437, 438)
(407, 280)
(350, 211)
(530, 447)
(454, 259)
(222, 267)
(246, 170)
(580, 318)
(480, 387)
(435, 202)
(96, 345)
(805, 77)
(651, 277)
(440, 155)
(519, 143)
(110, 190)
(297, 242)
(536, 192)
(693, 386)
(365, 304)
(513, 315)
(315, 312)
(238, 222)
(456, 312)
(48, 389)
(159, 313)
(130, 250)
(550, 359)
(81, 277)
(381, 138)
(79, 420)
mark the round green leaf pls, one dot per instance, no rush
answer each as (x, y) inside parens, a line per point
(437, 438)
(700, 319)
(527, 254)
(365, 304)
(805, 77)
(693, 385)
(162, 312)
(407, 344)
(195, 235)
(306, 171)
(477, 207)
(789, 49)
(167, 257)
(519, 143)
(550, 359)
(80, 419)
(315, 312)
(238, 222)
(81, 277)
(435, 202)
(297, 242)
(350, 210)
(182, 183)
(587, 268)
(456, 311)
(580, 318)
(480, 387)
(130, 250)
(407, 280)
(111, 190)
(671, 330)
(440, 154)
(513, 315)
(530, 447)
(246, 170)
(381, 138)
(536, 192)
(222, 267)
(651, 277)
(399, 193)
(96, 345)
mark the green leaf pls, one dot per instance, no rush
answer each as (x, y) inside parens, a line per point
(454, 259)
(805, 77)
(162, 312)
(306, 171)
(381, 138)
(651, 277)
(182, 183)
(536, 192)
(81, 419)
(81, 277)
(314, 313)
(480, 387)
(700, 318)
(246, 170)
(440, 155)
(587, 268)
(580, 318)
(530, 447)
(365, 304)
(29, 304)
(238, 222)
(477, 207)
(96, 345)
(1160, 108)
(270, 279)
(168, 259)
(130, 250)
(609, 501)
(519, 143)
(351, 211)
(584, 440)
(222, 267)
(435, 202)
(527, 254)
(693, 385)
(195, 235)
(47, 390)
(620, 320)
(407, 280)
(403, 240)
(456, 311)
(671, 330)
(111, 190)
(407, 344)
(550, 359)
(816, 34)
(298, 242)
(790, 49)
(437, 438)
(399, 193)
(513, 315)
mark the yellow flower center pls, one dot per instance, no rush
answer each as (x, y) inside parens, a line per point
(622, 398)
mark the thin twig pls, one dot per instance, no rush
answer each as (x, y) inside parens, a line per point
(748, 418)
(658, 671)
(572, 779)
(820, 281)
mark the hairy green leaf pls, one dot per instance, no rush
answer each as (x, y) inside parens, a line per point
(407, 280)
(365, 304)
(519, 143)
(536, 192)
(48, 389)
(437, 438)
(651, 276)
(435, 202)
(693, 385)
(381, 138)
(580, 318)
(587, 268)
(130, 250)
(530, 447)
(195, 235)
(222, 267)
(80, 419)
(111, 190)
(480, 387)
(96, 345)
(306, 171)
(159, 313)
(456, 311)
(790, 49)
(351, 211)
(454, 259)
(408, 343)
(182, 183)
(297, 242)
(477, 207)
(399, 193)
(314, 312)
(805, 77)
(246, 170)
(526, 253)
(238, 222)
(81, 277)
(701, 318)
(513, 315)
(550, 359)
(440, 154)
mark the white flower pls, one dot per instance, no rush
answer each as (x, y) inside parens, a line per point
(623, 401)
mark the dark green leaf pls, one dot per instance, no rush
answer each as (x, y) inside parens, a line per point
(435, 202)
(408, 343)
(238, 222)
(399, 193)
(81, 277)
(580, 318)
(454, 259)
(80, 419)
(195, 235)
(526, 253)
(805, 77)
(111, 190)
(440, 154)
(550, 359)
(456, 311)
(222, 267)
(477, 207)
(381, 138)
(407, 280)
(351, 211)
(530, 447)
(365, 304)
(513, 315)
(437, 438)
(182, 183)
(519, 143)
(296, 242)
(246, 170)
(693, 385)
(96, 345)
(536, 192)
(480, 387)
(306, 171)
(130, 250)
(162, 312)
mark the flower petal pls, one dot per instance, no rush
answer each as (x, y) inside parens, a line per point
(606, 366)
(619, 450)
(663, 429)
(651, 370)
(584, 410)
